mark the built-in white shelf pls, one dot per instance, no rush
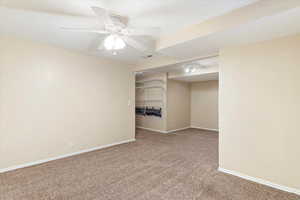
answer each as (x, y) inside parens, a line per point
(151, 100)
(150, 80)
(148, 87)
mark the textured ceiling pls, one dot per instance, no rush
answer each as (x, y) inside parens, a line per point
(169, 15)
(198, 77)
(267, 28)
(207, 69)
(41, 19)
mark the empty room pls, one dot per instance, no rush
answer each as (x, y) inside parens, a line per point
(149, 100)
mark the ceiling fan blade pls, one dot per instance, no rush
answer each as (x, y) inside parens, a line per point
(151, 31)
(86, 30)
(99, 11)
(103, 14)
(135, 44)
(96, 44)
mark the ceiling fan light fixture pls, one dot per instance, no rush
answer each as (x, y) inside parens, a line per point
(193, 70)
(114, 42)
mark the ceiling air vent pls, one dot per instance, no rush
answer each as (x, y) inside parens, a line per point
(147, 56)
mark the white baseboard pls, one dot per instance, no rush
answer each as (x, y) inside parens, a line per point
(150, 129)
(207, 129)
(179, 129)
(63, 156)
(260, 181)
(159, 131)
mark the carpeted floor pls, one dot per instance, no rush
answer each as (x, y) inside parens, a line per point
(181, 166)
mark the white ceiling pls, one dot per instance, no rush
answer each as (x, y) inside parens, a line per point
(208, 70)
(207, 62)
(41, 20)
(198, 77)
(267, 28)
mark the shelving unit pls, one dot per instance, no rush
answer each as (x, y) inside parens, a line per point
(150, 80)
(150, 100)
(151, 92)
(148, 87)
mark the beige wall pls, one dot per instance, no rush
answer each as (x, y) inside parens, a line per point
(54, 102)
(259, 110)
(204, 104)
(178, 105)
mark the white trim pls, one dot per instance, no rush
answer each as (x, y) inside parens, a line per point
(150, 80)
(260, 181)
(179, 129)
(159, 131)
(182, 61)
(195, 74)
(207, 129)
(63, 156)
(150, 129)
(149, 87)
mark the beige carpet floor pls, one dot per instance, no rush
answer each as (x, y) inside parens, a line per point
(181, 166)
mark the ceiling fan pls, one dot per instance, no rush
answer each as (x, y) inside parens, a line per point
(118, 33)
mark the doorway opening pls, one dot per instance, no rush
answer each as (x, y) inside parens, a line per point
(178, 97)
